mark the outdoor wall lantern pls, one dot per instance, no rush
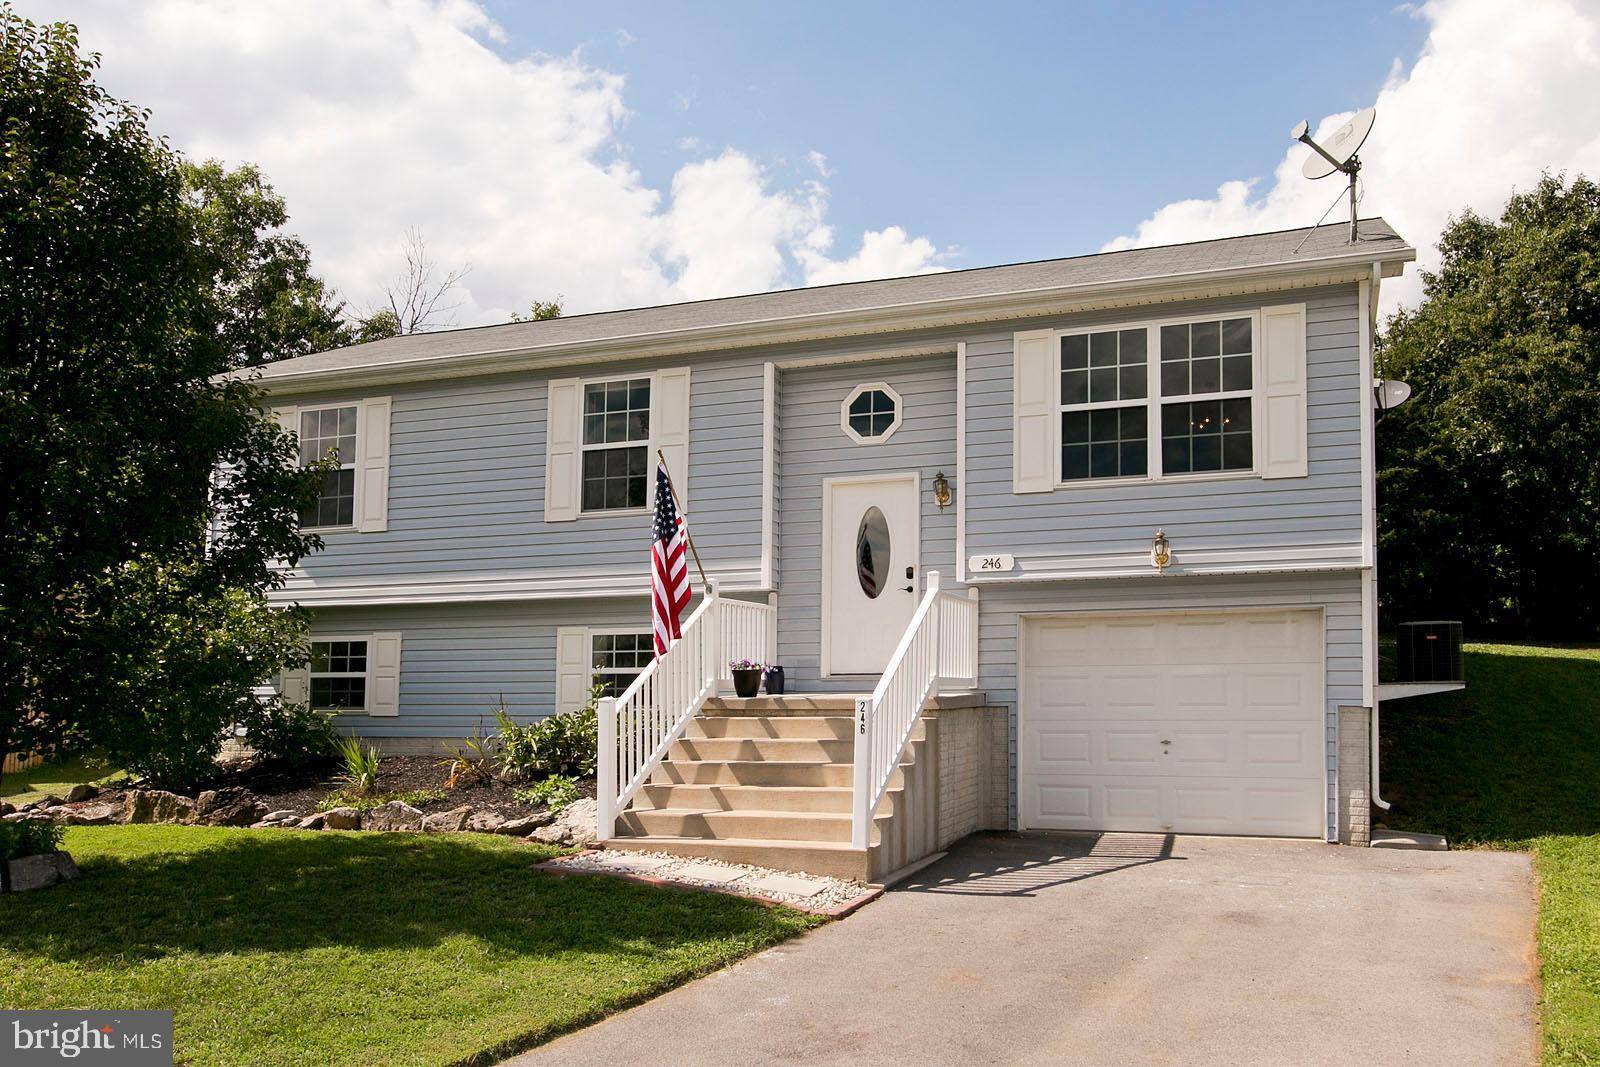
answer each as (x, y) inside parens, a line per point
(941, 490)
(1160, 551)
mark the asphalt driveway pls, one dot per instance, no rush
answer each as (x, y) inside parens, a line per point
(1129, 949)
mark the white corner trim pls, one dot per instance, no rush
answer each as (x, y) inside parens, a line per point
(961, 461)
(1369, 447)
(872, 387)
(769, 468)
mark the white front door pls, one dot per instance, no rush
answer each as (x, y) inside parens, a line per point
(870, 574)
(1190, 723)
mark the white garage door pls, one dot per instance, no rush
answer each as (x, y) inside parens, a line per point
(1185, 723)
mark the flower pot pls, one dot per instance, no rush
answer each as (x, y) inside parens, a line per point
(747, 683)
(774, 681)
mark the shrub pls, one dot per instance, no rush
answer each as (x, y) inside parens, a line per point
(31, 837)
(555, 792)
(470, 761)
(360, 774)
(565, 744)
(291, 735)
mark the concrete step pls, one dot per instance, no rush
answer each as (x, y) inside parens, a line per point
(798, 704)
(745, 797)
(808, 826)
(763, 749)
(828, 727)
(820, 703)
(830, 859)
(753, 773)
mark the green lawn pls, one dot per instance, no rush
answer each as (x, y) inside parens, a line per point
(1514, 762)
(55, 776)
(326, 948)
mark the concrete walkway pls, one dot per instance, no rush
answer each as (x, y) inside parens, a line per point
(1129, 949)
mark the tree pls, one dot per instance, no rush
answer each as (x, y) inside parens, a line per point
(265, 301)
(129, 574)
(1488, 486)
(540, 310)
(416, 298)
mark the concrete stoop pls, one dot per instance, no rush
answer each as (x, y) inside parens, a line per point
(767, 781)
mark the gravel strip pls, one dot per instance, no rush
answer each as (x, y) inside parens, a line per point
(662, 866)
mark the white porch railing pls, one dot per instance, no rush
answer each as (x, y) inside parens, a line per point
(639, 726)
(939, 647)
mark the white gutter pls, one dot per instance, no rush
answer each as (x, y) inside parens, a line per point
(815, 325)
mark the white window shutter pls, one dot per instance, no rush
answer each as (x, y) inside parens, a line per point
(1283, 391)
(669, 422)
(563, 418)
(383, 674)
(288, 419)
(295, 686)
(573, 667)
(372, 465)
(1033, 412)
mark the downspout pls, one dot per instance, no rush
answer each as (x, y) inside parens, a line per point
(1372, 339)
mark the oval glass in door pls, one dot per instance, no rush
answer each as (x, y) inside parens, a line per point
(872, 553)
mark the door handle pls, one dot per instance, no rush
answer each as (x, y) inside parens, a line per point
(911, 589)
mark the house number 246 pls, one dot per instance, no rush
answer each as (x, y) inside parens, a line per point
(991, 564)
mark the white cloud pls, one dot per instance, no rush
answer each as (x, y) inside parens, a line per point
(1498, 94)
(886, 253)
(370, 116)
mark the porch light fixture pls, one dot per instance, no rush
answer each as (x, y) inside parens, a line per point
(1160, 551)
(941, 490)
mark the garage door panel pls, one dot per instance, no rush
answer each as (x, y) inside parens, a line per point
(1235, 697)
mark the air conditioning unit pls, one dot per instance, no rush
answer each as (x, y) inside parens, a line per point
(1429, 652)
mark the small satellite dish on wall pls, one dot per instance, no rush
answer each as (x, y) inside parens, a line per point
(1339, 154)
(1390, 395)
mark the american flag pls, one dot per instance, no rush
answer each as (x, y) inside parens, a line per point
(669, 567)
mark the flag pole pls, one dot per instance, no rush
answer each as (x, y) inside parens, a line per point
(687, 536)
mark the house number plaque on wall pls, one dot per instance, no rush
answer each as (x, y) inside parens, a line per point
(991, 564)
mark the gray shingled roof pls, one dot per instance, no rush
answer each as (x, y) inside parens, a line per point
(1378, 242)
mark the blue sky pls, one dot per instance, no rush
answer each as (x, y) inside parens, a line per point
(627, 154)
(1093, 115)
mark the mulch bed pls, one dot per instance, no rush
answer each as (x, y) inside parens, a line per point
(300, 793)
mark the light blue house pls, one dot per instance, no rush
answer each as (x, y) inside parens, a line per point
(1145, 479)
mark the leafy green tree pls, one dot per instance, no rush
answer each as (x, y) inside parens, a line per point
(539, 311)
(132, 580)
(265, 301)
(1489, 478)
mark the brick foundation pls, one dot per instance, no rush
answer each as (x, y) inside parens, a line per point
(1355, 776)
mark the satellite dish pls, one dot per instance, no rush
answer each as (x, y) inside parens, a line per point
(1341, 147)
(1339, 154)
(1391, 395)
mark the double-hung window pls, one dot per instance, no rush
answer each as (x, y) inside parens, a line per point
(339, 675)
(1190, 382)
(331, 433)
(616, 444)
(619, 657)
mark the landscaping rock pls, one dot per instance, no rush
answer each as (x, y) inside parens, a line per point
(92, 815)
(341, 819)
(485, 822)
(444, 822)
(232, 806)
(282, 815)
(312, 822)
(395, 815)
(578, 822)
(526, 825)
(81, 792)
(157, 805)
(40, 872)
(6, 808)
